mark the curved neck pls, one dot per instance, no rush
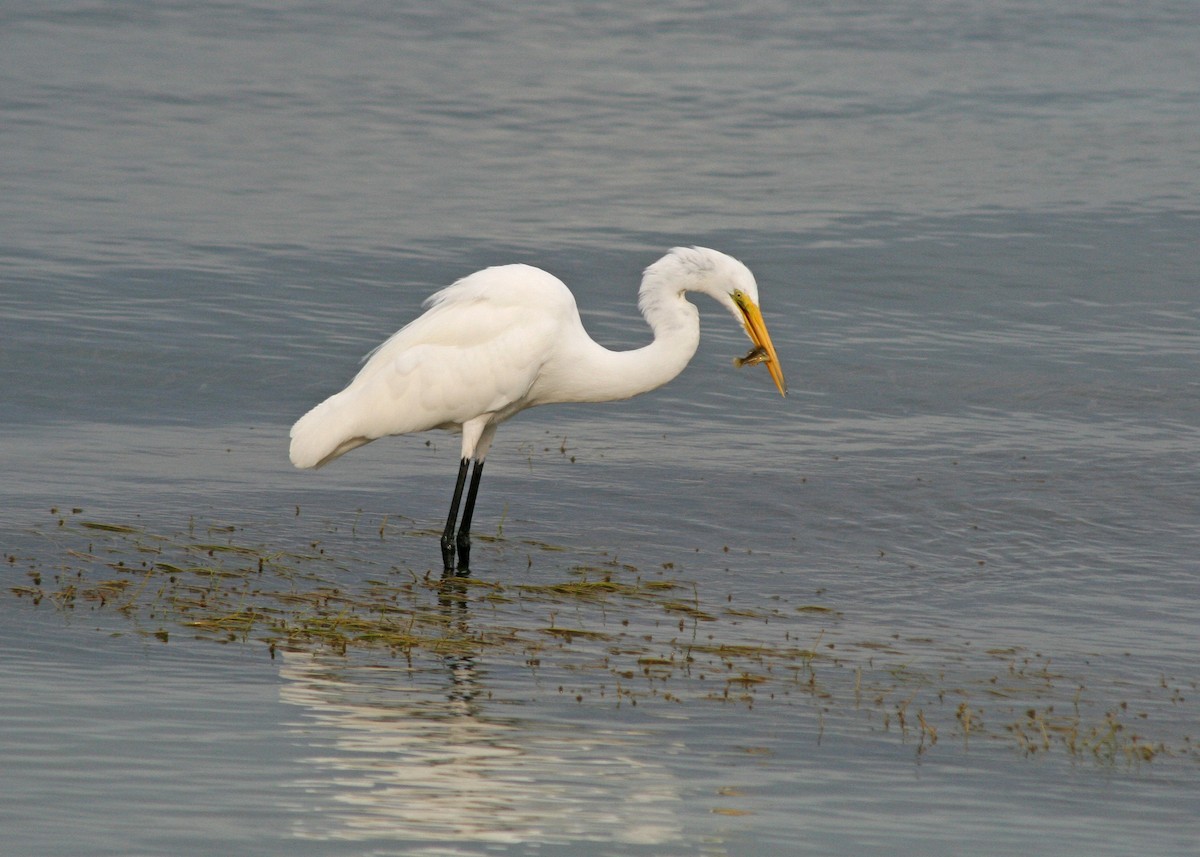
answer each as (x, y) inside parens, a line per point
(586, 371)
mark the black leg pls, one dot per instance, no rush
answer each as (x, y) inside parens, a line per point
(448, 533)
(464, 531)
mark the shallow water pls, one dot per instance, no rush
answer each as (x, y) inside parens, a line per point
(974, 227)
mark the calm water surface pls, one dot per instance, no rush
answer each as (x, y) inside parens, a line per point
(965, 540)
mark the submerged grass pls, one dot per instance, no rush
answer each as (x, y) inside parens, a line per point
(652, 635)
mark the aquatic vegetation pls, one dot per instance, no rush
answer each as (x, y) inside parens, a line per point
(603, 630)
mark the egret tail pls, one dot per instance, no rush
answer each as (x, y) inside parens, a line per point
(325, 433)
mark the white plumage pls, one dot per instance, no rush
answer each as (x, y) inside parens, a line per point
(509, 338)
(473, 355)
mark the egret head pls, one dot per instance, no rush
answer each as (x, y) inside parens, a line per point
(730, 283)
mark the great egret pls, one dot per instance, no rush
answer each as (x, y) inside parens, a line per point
(507, 338)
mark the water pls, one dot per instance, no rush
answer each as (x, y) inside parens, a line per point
(975, 231)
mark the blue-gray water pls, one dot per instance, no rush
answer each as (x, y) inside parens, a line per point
(976, 232)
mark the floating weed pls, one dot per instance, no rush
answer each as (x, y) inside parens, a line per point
(242, 621)
(540, 546)
(570, 634)
(621, 635)
(598, 590)
(586, 589)
(747, 679)
(108, 528)
(691, 610)
(227, 548)
(745, 613)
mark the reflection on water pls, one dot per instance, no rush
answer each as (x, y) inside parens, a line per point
(414, 753)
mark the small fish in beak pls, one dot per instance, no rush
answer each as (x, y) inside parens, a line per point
(758, 354)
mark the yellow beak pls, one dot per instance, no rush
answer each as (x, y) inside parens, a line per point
(756, 329)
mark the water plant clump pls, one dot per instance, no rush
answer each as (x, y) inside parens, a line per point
(595, 630)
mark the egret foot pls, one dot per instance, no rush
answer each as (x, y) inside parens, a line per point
(464, 552)
(447, 555)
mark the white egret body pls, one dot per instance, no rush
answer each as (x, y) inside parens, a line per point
(508, 338)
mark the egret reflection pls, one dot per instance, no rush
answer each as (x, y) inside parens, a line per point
(418, 754)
